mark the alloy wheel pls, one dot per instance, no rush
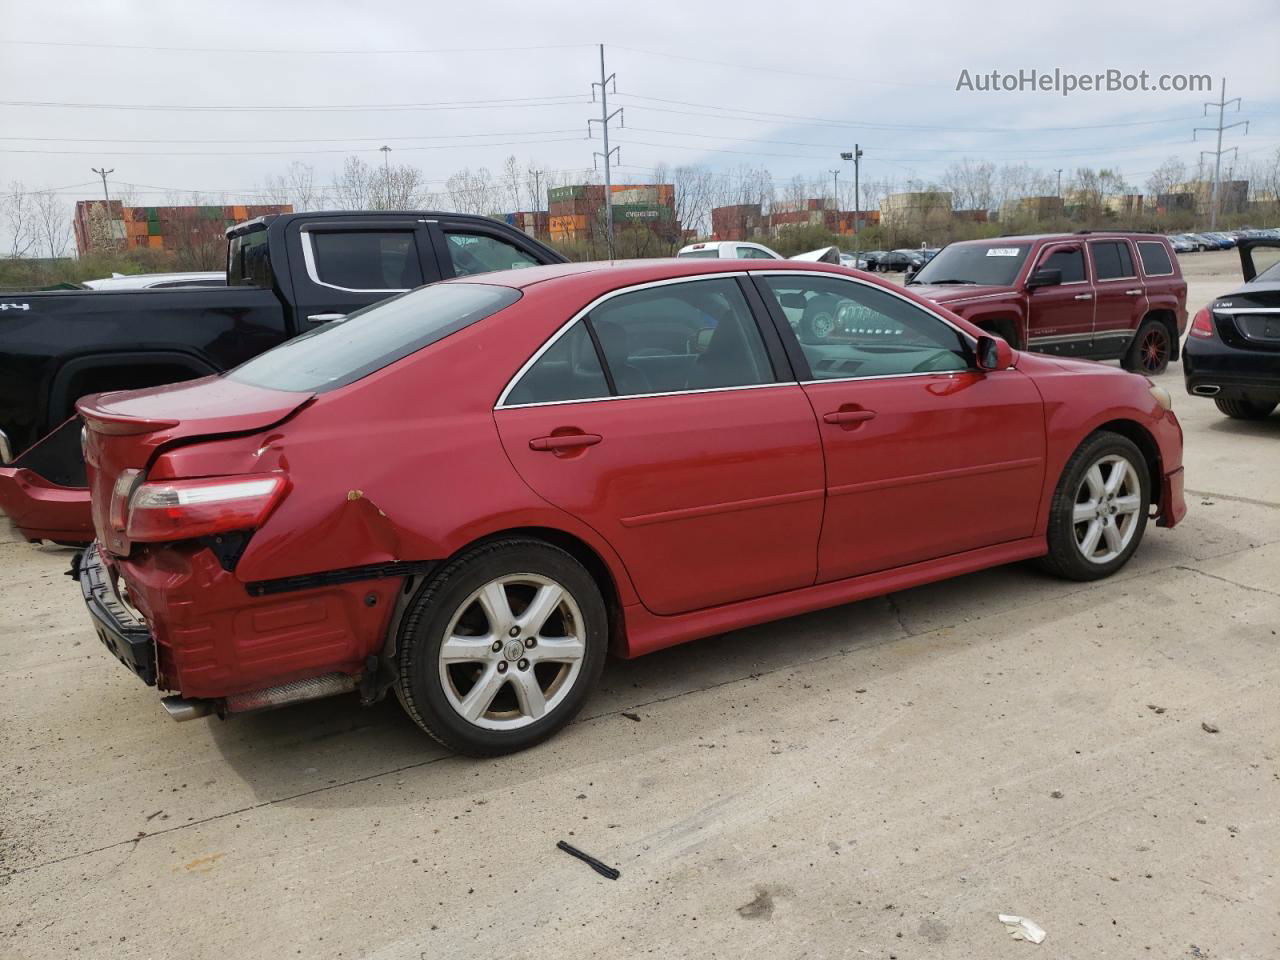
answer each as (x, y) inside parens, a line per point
(1105, 515)
(512, 651)
(1153, 351)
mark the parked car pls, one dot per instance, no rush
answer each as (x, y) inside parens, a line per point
(158, 281)
(470, 493)
(286, 275)
(899, 261)
(928, 253)
(1105, 296)
(1225, 240)
(1232, 353)
(1180, 243)
(745, 250)
(872, 259)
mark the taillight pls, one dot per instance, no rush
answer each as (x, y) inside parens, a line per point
(1202, 325)
(182, 509)
(118, 511)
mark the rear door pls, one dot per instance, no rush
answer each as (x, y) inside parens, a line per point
(1060, 317)
(926, 456)
(341, 265)
(1120, 300)
(666, 418)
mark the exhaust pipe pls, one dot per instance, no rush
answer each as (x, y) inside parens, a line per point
(1206, 389)
(182, 710)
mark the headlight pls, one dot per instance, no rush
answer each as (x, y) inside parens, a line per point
(1162, 396)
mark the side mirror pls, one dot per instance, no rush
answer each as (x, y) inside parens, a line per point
(1044, 277)
(993, 353)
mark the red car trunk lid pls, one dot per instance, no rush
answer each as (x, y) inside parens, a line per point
(124, 430)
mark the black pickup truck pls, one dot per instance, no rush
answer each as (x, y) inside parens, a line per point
(286, 274)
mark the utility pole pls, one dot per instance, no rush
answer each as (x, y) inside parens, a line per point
(1058, 171)
(835, 186)
(386, 171)
(856, 156)
(1221, 104)
(605, 117)
(111, 233)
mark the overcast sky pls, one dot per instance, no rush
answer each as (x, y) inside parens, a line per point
(892, 67)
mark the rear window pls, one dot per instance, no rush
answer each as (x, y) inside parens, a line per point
(342, 352)
(1155, 259)
(1111, 260)
(700, 254)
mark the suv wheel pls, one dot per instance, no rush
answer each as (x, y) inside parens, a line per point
(1099, 509)
(1245, 409)
(501, 648)
(1150, 349)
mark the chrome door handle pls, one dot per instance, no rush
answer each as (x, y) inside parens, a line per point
(326, 317)
(1084, 296)
(848, 416)
(565, 441)
(1133, 293)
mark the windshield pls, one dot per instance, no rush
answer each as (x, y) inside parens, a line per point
(698, 253)
(342, 352)
(975, 263)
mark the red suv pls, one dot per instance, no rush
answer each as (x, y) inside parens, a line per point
(1105, 296)
(470, 492)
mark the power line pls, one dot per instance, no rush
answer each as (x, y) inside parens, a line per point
(486, 104)
(277, 153)
(441, 136)
(367, 51)
(767, 69)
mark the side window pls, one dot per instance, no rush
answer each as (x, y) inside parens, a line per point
(569, 370)
(698, 335)
(854, 330)
(366, 260)
(753, 253)
(1111, 260)
(1069, 260)
(1155, 259)
(473, 253)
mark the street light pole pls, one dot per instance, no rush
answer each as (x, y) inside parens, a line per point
(856, 156)
(386, 171)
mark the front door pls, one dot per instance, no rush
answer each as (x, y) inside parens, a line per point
(1060, 317)
(925, 455)
(664, 422)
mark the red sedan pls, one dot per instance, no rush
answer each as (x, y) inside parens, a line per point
(472, 492)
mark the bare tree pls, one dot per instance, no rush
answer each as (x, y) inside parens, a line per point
(1166, 177)
(355, 186)
(17, 219)
(971, 183)
(473, 192)
(52, 224)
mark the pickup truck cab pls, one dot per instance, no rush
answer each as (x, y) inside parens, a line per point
(286, 274)
(1105, 296)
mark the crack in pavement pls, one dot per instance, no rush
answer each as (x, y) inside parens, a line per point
(1226, 496)
(755, 675)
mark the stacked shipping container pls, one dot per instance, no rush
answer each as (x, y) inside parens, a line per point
(160, 228)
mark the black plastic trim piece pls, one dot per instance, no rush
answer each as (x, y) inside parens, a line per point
(309, 581)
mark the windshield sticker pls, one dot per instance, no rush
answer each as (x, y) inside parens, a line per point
(1004, 251)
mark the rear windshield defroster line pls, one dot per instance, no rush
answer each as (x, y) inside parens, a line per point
(344, 351)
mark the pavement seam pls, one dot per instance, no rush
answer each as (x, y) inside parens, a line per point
(1215, 576)
(1227, 496)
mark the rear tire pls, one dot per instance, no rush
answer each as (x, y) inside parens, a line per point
(1099, 509)
(1150, 349)
(544, 613)
(1245, 409)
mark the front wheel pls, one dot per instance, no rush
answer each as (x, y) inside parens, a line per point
(1099, 509)
(1244, 409)
(500, 649)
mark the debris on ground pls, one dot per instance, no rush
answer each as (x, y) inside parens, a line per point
(1154, 708)
(1057, 794)
(1020, 928)
(1208, 727)
(632, 716)
(601, 868)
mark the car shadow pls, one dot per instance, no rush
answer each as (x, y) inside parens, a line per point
(1270, 427)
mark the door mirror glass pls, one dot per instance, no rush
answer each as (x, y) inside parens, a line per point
(1044, 277)
(993, 353)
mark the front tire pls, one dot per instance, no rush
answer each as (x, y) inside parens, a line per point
(1244, 409)
(501, 648)
(1099, 509)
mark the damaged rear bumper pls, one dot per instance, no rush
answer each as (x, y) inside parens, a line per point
(120, 630)
(43, 510)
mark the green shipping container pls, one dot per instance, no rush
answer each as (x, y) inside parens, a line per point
(153, 213)
(153, 228)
